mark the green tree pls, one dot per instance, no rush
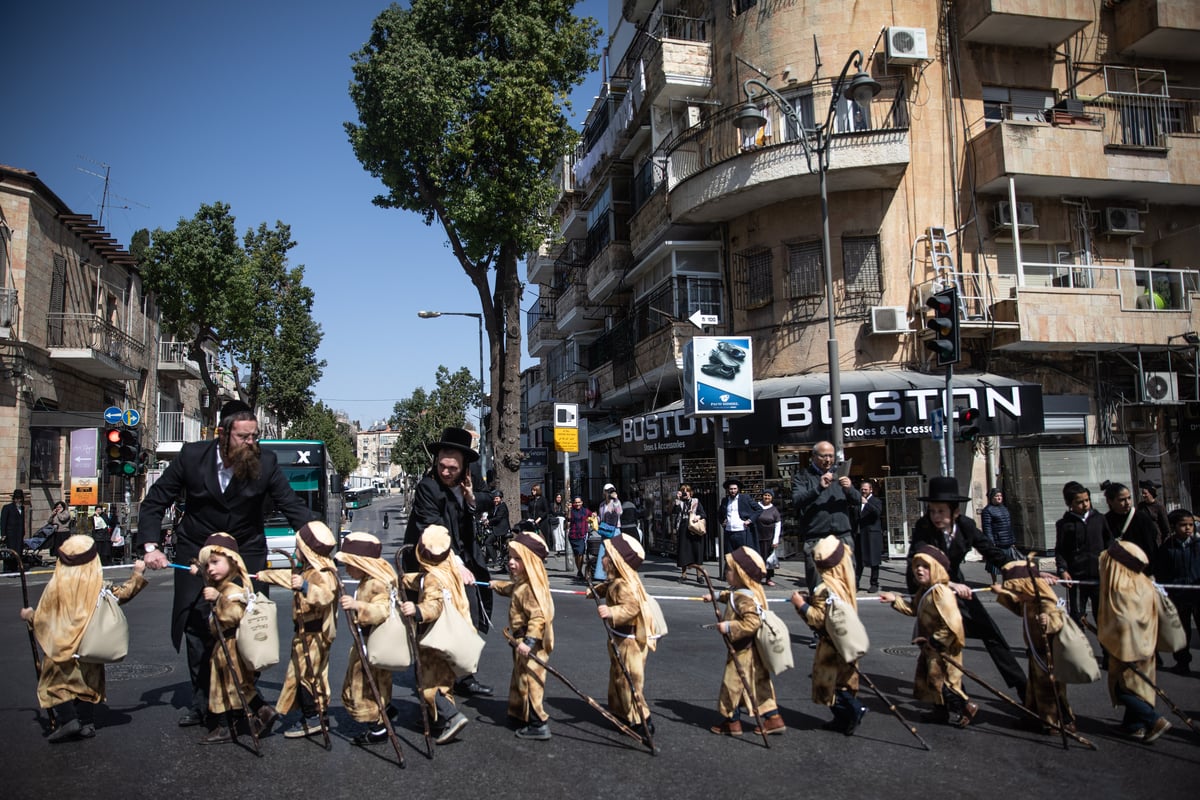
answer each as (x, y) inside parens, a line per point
(421, 417)
(198, 274)
(461, 114)
(319, 422)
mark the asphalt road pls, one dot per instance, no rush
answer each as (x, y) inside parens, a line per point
(140, 749)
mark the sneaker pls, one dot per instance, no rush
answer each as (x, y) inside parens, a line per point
(770, 725)
(452, 728)
(68, 730)
(371, 737)
(192, 718)
(539, 733)
(1161, 726)
(303, 728)
(729, 727)
(1139, 734)
(218, 735)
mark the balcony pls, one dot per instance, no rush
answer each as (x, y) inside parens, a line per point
(1167, 29)
(8, 312)
(1116, 148)
(1023, 23)
(608, 254)
(173, 361)
(679, 63)
(541, 332)
(1080, 307)
(714, 174)
(86, 343)
(175, 429)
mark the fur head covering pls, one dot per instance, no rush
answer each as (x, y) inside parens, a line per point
(835, 562)
(1026, 583)
(627, 554)
(316, 543)
(748, 568)
(69, 599)
(436, 558)
(531, 549)
(938, 594)
(1127, 616)
(935, 560)
(364, 552)
(225, 545)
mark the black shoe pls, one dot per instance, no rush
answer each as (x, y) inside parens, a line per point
(88, 730)
(539, 733)
(835, 725)
(219, 735)
(718, 371)
(68, 730)
(471, 686)
(370, 737)
(191, 719)
(733, 351)
(853, 724)
(873, 588)
(1180, 669)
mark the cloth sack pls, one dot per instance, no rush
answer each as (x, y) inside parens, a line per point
(258, 634)
(773, 640)
(454, 637)
(387, 646)
(845, 629)
(106, 637)
(1074, 660)
(656, 614)
(1171, 636)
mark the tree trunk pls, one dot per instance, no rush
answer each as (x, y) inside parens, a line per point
(504, 335)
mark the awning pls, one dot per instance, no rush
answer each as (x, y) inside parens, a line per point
(666, 430)
(882, 405)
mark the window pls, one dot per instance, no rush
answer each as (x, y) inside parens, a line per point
(58, 300)
(851, 116)
(43, 454)
(1002, 103)
(805, 270)
(742, 6)
(862, 269)
(752, 278)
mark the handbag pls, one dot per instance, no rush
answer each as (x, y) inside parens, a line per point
(106, 637)
(258, 634)
(387, 645)
(845, 629)
(1171, 636)
(697, 525)
(453, 637)
(773, 641)
(1074, 660)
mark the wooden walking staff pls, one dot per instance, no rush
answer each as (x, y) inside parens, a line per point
(753, 706)
(638, 698)
(368, 676)
(891, 706)
(958, 665)
(410, 626)
(314, 679)
(1031, 564)
(37, 659)
(1178, 711)
(608, 715)
(252, 721)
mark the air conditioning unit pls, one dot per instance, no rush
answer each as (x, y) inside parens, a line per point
(1160, 387)
(906, 45)
(1122, 221)
(1002, 216)
(889, 319)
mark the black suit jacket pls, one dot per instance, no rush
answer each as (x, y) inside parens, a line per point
(239, 511)
(498, 519)
(12, 526)
(967, 537)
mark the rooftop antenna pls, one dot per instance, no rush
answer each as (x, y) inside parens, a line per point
(104, 198)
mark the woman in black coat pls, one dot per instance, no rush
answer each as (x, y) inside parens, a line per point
(690, 546)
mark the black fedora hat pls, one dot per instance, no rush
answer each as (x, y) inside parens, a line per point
(943, 489)
(732, 482)
(455, 439)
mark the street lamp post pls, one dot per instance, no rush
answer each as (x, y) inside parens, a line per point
(861, 89)
(483, 450)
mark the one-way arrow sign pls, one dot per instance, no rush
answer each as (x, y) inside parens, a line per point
(700, 320)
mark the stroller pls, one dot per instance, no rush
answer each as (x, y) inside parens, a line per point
(31, 551)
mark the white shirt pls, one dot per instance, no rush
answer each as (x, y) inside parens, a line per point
(224, 473)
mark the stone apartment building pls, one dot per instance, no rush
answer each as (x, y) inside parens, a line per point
(1041, 158)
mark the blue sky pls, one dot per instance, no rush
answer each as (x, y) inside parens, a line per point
(243, 102)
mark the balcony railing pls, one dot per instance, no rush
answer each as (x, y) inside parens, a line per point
(87, 331)
(717, 138)
(175, 426)
(8, 307)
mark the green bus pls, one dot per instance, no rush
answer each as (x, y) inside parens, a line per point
(309, 472)
(360, 498)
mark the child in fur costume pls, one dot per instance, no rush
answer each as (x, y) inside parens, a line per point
(834, 682)
(314, 619)
(439, 582)
(745, 571)
(228, 588)
(372, 603)
(530, 618)
(1127, 619)
(1025, 593)
(939, 629)
(626, 613)
(69, 686)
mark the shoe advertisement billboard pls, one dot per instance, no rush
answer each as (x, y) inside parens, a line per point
(718, 375)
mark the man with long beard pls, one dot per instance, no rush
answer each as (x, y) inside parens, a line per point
(226, 483)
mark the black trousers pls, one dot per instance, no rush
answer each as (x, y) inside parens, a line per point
(978, 624)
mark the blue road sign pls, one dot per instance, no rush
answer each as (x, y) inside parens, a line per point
(937, 424)
(113, 415)
(132, 417)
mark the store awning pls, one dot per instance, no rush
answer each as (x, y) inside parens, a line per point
(882, 405)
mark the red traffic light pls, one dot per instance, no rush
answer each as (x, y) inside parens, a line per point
(113, 435)
(968, 427)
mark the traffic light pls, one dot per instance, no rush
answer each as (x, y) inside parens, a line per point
(121, 450)
(968, 425)
(143, 462)
(944, 324)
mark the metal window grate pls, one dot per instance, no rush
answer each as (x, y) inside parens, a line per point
(861, 265)
(752, 278)
(806, 270)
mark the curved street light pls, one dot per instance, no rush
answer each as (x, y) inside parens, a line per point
(483, 450)
(861, 89)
